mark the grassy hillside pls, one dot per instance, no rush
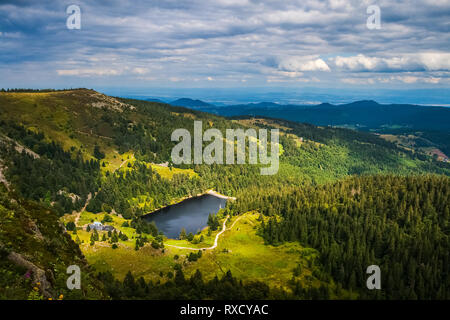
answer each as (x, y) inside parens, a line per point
(110, 139)
(80, 156)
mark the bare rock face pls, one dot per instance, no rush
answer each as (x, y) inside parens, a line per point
(19, 148)
(2, 176)
(33, 228)
(38, 274)
(103, 101)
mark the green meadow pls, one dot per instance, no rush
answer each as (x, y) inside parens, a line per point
(240, 249)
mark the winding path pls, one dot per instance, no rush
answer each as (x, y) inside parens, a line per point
(78, 214)
(89, 198)
(121, 165)
(224, 228)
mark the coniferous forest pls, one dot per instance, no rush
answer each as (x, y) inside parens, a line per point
(398, 223)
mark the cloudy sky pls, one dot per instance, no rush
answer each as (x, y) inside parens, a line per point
(226, 43)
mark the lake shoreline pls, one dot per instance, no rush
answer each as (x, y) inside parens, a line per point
(208, 192)
(218, 195)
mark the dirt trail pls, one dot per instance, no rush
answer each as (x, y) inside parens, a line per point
(121, 165)
(224, 228)
(89, 197)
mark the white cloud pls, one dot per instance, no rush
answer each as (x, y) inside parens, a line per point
(271, 79)
(240, 3)
(408, 79)
(435, 60)
(295, 64)
(429, 61)
(89, 72)
(140, 70)
(432, 80)
(358, 81)
(355, 63)
(414, 79)
(289, 74)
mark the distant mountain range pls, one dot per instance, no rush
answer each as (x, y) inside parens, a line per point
(418, 126)
(154, 100)
(190, 103)
(366, 114)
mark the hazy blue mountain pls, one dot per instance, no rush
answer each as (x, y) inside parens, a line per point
(362, 114)
(190, 103)
(155, 100)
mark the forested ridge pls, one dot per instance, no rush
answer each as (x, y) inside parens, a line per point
(52, 176)
(74, 140)
(354, 197)
(399, 223)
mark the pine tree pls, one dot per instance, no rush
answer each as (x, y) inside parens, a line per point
(182, 234)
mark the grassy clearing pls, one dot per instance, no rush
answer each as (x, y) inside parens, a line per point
(147, 262)
(168, 173)
(59, 116)
(243, 252)
(114, 161)
(88, 218)
(239, 249)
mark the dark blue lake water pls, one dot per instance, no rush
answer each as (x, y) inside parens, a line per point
(191, 214)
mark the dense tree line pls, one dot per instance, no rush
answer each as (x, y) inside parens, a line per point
(58, 178)
(195, 288)
(401, 224)
(147, 130)
(119, 188)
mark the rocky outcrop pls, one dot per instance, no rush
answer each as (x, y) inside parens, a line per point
(39, 277)
(110, 103)
(19, 148)
(2, 176)
(33, 228)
